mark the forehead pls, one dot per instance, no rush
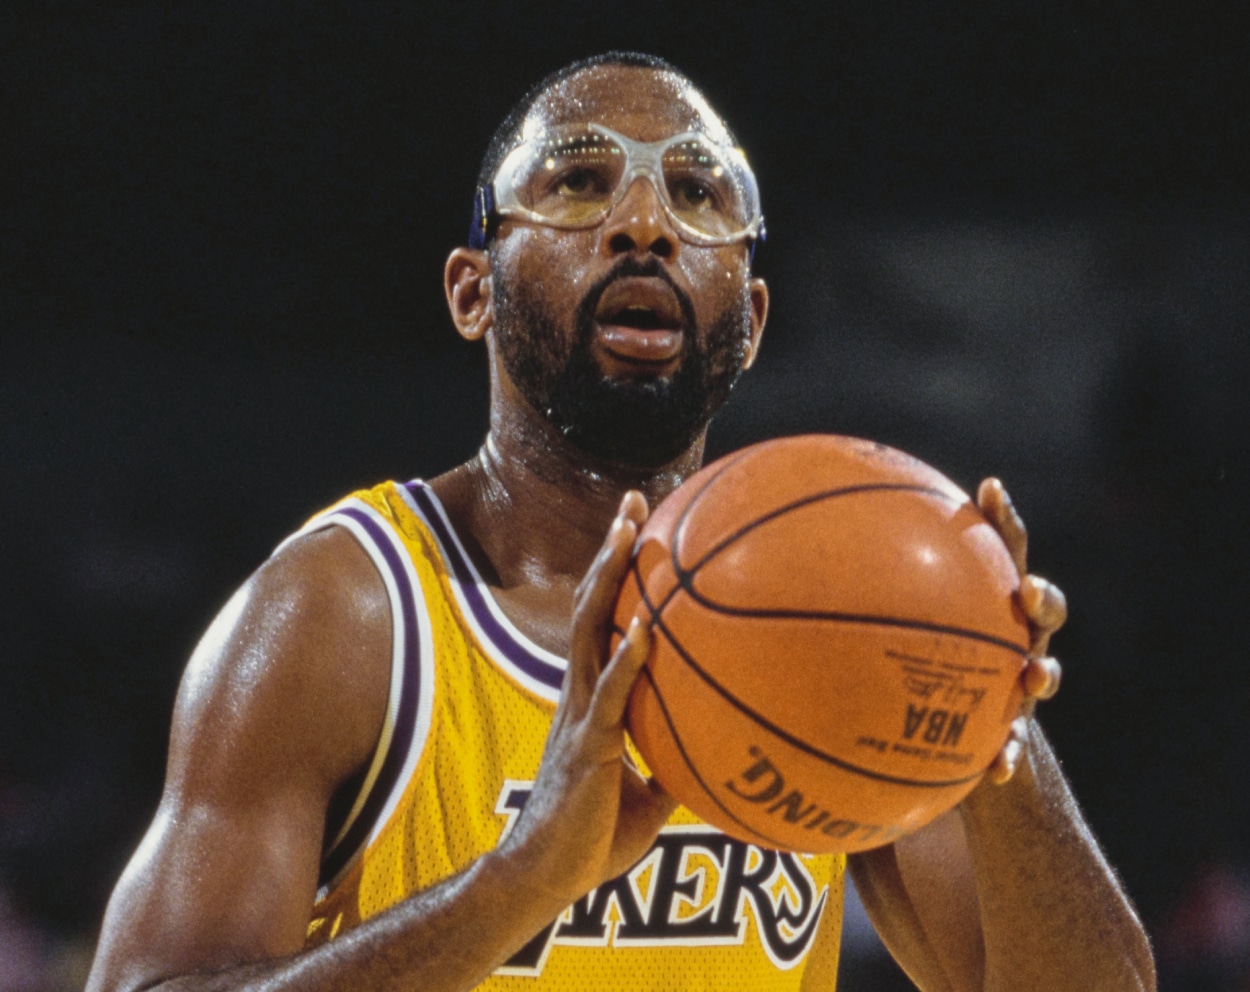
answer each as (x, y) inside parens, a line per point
(641, 103)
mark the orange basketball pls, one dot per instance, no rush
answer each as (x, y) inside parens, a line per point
(837, 645)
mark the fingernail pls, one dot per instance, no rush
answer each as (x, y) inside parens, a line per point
(1011, 757)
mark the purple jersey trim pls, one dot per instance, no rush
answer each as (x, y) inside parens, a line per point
(471, 586)
(405, 720)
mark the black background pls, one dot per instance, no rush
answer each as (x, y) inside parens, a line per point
(1009, 238)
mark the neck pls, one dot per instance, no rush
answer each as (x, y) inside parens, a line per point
(538, 507)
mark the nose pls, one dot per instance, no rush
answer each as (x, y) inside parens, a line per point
(639, 223)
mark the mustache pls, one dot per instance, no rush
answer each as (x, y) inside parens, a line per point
(627, 267)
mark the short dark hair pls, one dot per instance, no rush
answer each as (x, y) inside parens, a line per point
(509, 130)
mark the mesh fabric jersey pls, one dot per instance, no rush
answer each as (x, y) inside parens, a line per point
(471, 701)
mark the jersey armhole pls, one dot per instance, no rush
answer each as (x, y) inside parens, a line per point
(409, 708)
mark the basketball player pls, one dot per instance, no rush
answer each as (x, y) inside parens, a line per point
(397, 756)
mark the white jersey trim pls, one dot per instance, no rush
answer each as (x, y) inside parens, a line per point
(412, 654)
(501, 650)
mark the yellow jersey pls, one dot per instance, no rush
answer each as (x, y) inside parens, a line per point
(471, 701)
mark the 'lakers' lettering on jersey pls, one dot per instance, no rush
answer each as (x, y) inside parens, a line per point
(470, 705)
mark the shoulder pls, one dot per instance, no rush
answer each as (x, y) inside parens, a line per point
(281, 703)
(293, 672)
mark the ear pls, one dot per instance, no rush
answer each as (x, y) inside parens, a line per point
(467, 283)
(759, 314)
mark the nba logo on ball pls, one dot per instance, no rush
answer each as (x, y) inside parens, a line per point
(837, 649)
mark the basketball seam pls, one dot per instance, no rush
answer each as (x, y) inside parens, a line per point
(798, 742)
(780, 732)
(685, 577)
(833, 616)
(694, 500)
(797, 504)
(681, 750)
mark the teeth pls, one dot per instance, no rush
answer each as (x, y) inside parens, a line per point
(640, 317)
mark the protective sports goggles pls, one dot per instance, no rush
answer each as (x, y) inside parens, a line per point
(572, 176)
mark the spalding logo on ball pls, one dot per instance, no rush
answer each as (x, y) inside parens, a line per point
(837, 644)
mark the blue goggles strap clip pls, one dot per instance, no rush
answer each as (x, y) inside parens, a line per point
(483, 217)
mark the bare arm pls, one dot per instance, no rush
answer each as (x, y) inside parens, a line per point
(1009, 890)
(281, 703)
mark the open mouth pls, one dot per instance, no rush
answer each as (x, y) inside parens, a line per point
(639, 317)
(639, 321)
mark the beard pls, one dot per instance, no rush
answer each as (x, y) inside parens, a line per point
(642, 422)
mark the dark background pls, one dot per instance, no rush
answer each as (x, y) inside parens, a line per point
(1010, 238)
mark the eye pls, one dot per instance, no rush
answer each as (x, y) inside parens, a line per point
(579, 183)
(690, 193)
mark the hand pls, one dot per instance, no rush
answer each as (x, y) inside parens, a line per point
(1046, 608)
(592, 814)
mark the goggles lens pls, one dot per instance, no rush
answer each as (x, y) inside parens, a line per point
(573, 176)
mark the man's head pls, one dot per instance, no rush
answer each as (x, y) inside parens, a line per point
(509, 143)
(614, 283)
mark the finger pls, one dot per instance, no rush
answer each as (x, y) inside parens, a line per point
(592, 610)
(1003, 767)
(1046, 607)
(634, 507)
(646, 797)
(1007, 760)
(606, 550)
(994, 502)
(644, 810)
(596, 596)
(1042, 677)
(632, 511)
(617, 682)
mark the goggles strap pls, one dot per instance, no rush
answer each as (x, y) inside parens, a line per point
(755, 242)
(483, 216)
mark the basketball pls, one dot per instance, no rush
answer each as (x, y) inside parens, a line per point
(837, 645)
